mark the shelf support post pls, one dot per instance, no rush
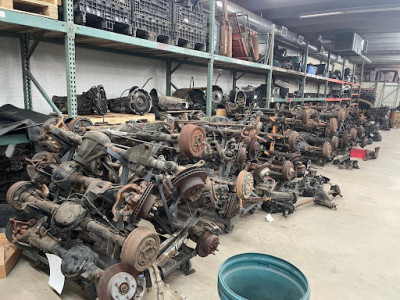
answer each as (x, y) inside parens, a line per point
(397, 95)
(70, 58)
(303, 82)
(24, 45)
(234, 87)
(361, 80)
(271, 64)
(236, 78)
(327, 75)
(210, 72)
(168, 66)
(44, 94)
(343, 67)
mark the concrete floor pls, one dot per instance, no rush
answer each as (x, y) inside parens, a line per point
(351, 253)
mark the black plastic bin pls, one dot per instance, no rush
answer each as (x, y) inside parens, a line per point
(112, 15)
(189, 26)
(152, 19)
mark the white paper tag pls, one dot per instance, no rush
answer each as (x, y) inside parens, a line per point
(57, 278)
(2, 14)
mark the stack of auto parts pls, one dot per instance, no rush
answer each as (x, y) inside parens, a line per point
(87, 210)
(90, 188)
(90, 102)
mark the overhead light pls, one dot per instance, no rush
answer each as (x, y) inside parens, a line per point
(353, 10)
(331, 13)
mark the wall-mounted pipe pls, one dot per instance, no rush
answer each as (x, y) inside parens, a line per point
(262, 25)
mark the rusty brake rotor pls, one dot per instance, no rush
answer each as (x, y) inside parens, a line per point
(192, 140)
(327, 149)
(353, 133)
(208, 244)
(190, 183)
(335, 141)
(292, 141)
(78, 125)
(244, 184)
(14, 193)
(288, 170)
(341, 116)
(140, 248)
(117, 282)
(333, 125)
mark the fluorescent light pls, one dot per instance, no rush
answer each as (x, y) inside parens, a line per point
(353, 10)
(331, 13)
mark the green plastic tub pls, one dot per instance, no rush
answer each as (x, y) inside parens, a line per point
(256, 276)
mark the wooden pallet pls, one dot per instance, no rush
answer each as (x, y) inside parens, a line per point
(9, 255)
(45, 8)
(113, 118)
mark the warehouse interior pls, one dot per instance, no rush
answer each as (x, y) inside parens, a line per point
(199, 149)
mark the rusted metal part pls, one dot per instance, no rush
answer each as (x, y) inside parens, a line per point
(140, 248)
(133, 201)
(192, 140)
(46, 140)
(372, 154)
(190, 183)
(67, 216)
(327, 149)
(169, 103)
(244, 185)
(79, 125)
(208, 245)
(19, 229)
(120, 282)
(333, 124)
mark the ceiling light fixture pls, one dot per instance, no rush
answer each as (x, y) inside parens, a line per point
(354, 10)
(322, 14)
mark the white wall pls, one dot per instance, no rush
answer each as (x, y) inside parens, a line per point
(116, 72)
(385, 93)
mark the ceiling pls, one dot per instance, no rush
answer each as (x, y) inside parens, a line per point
(377, 21)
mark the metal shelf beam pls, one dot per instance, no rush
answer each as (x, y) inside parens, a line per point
(81, 35)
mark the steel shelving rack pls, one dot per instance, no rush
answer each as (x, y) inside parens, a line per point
(32, 29)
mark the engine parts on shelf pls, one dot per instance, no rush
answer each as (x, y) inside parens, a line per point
(166, 103)
(90, 102)
(138, 102)
(196, 97)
